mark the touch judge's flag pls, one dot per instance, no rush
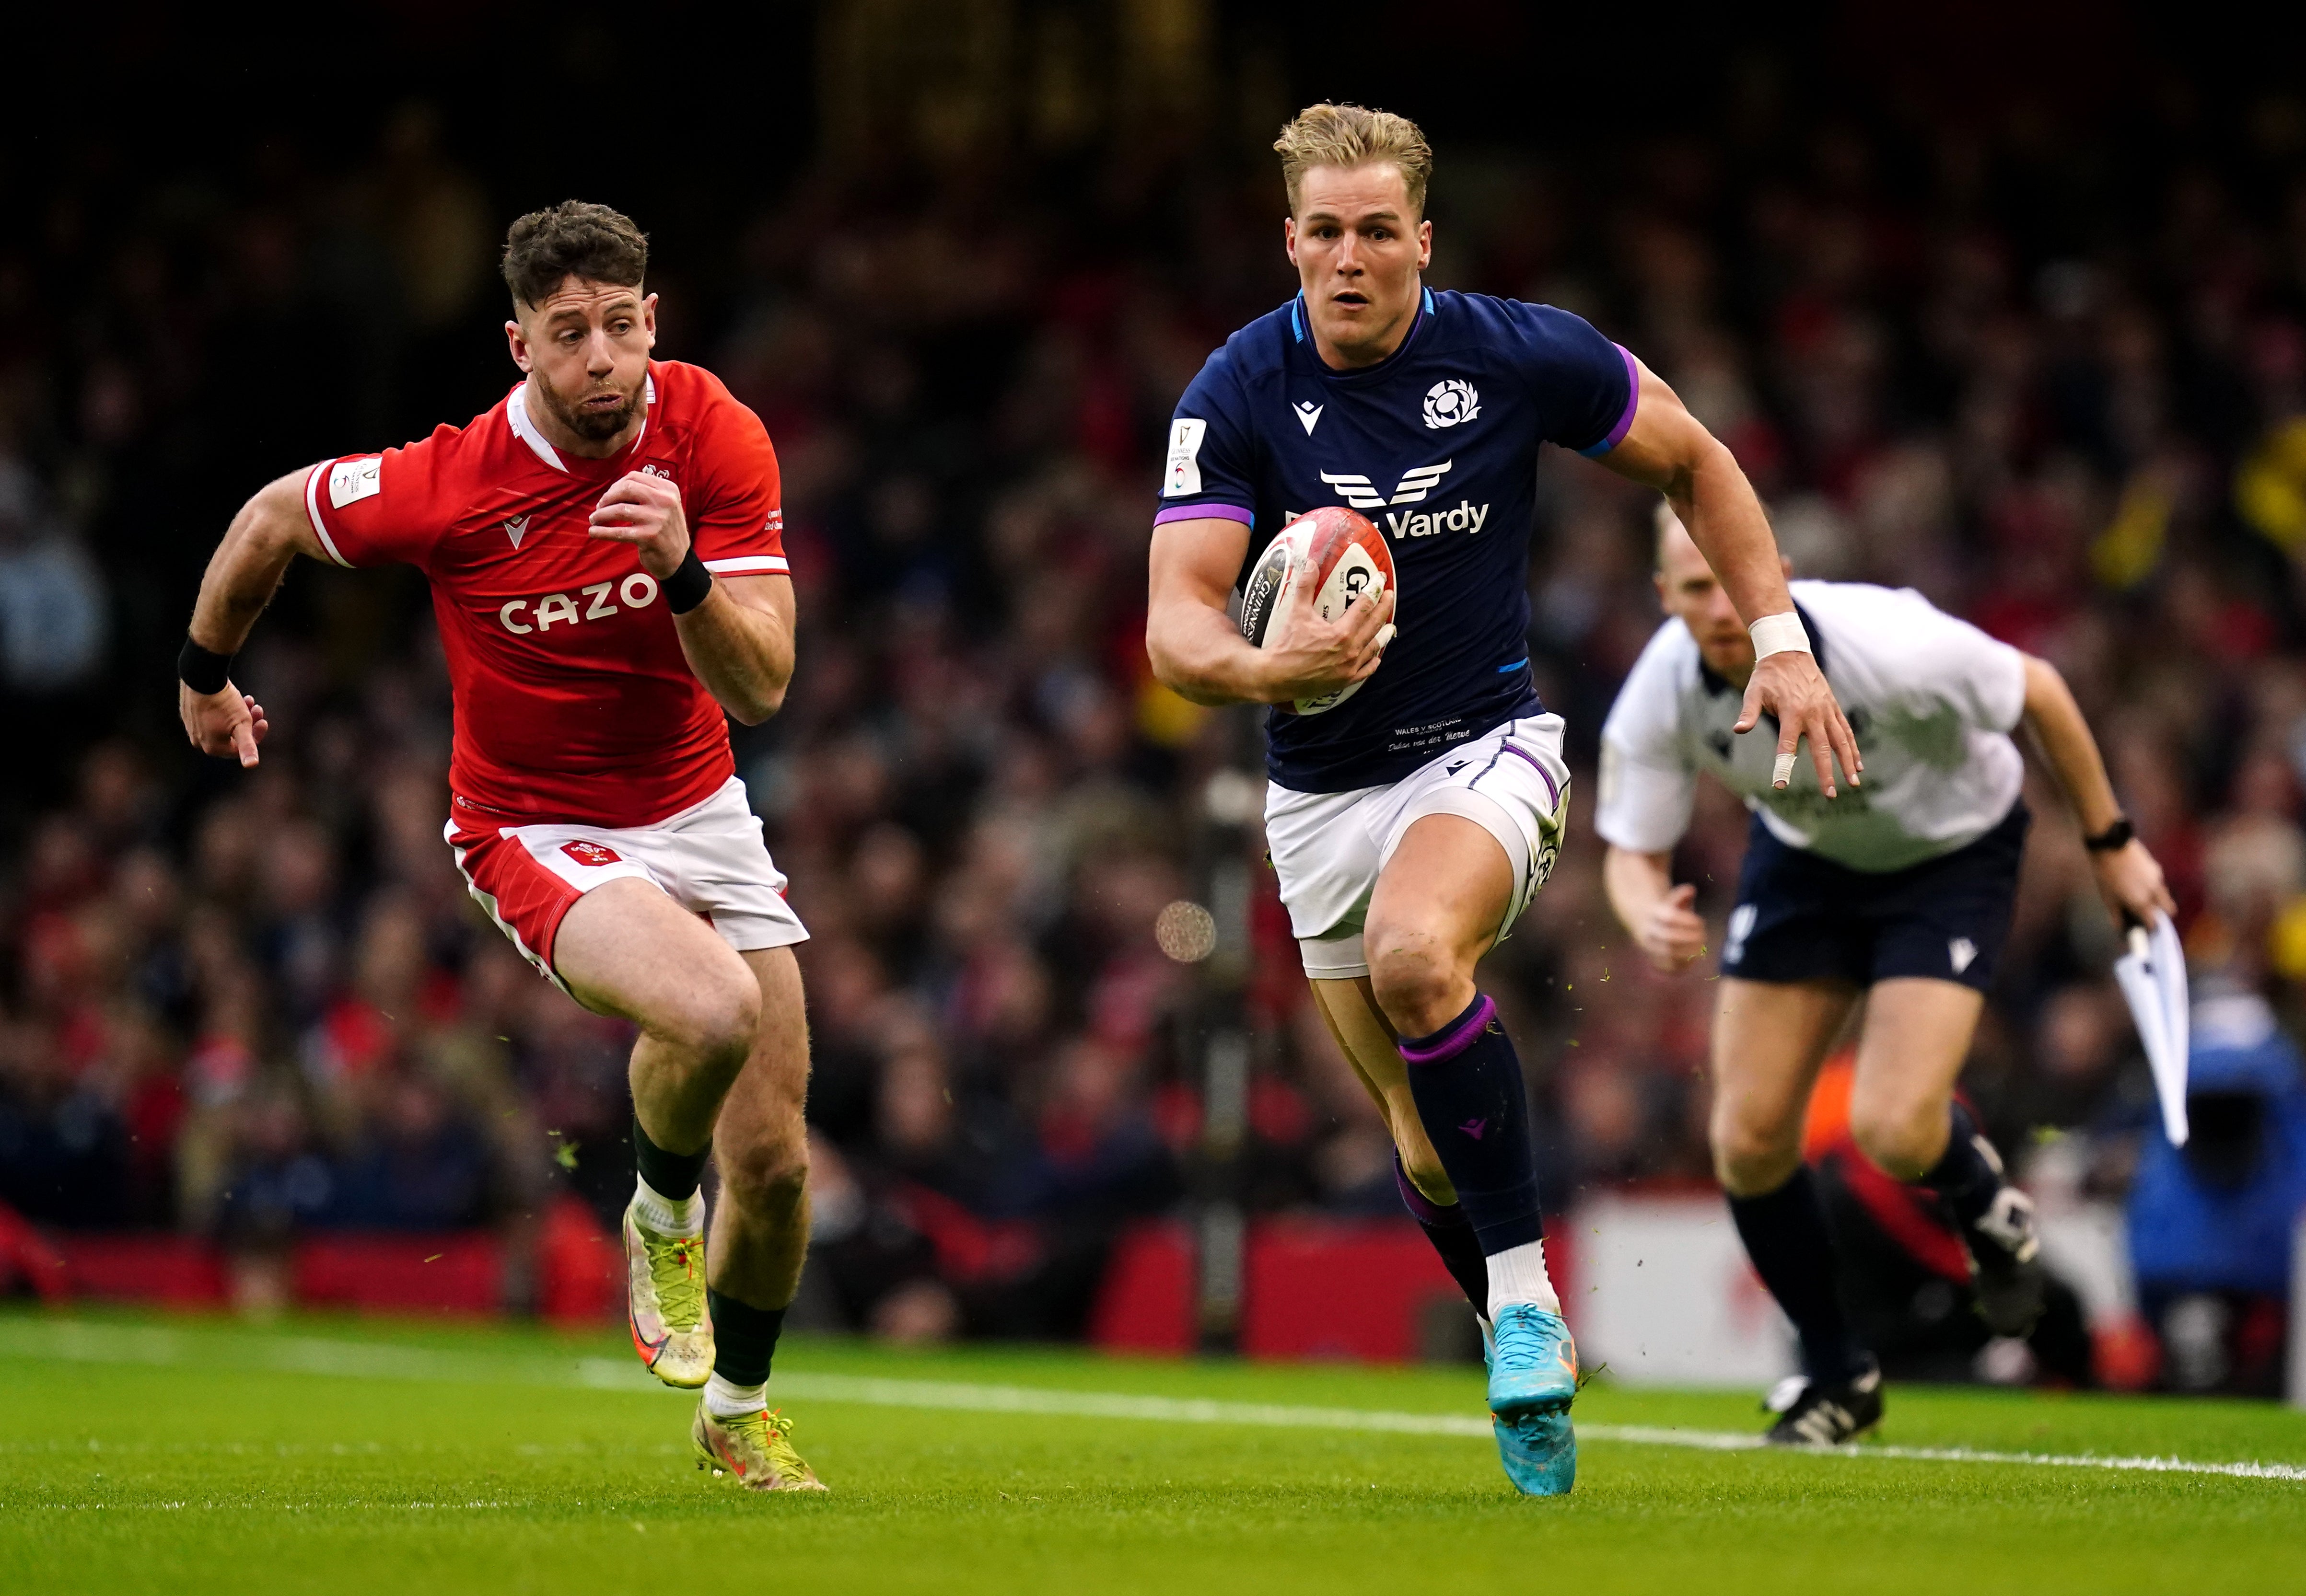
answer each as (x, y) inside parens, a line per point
(2153, 979)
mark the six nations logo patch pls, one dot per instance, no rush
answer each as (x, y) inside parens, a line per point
(1451, 401)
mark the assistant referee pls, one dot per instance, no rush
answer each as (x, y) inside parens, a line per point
(1898, 894)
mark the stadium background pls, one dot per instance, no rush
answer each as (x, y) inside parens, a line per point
(2011, 309)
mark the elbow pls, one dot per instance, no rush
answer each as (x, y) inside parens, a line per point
(1180, 678)
(1166, 673)
(1190, 688)
(1705, 459)
(757, 708)
(1166, 669)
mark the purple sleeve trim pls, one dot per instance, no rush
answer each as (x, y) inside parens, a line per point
(1633, 401)
(1453, 1039)
(1206, 512)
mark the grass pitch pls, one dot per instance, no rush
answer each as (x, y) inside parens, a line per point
(143, 1455)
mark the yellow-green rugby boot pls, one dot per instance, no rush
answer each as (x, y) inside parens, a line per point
(754, 1449)
(664, 1302)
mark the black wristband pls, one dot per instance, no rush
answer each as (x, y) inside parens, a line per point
(201, 670)
(2120, 834)
(686, 588)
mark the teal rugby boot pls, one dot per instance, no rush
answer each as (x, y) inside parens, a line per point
(1532, 1380)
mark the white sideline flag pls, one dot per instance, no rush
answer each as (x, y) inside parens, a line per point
(2153, 979)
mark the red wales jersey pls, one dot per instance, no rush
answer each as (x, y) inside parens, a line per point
(573, 699)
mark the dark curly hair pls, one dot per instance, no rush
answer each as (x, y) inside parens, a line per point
(574, 238)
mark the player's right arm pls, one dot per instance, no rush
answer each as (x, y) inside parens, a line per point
(245, 571)
(1198, 652)
(1196, 649)
(1648, 790)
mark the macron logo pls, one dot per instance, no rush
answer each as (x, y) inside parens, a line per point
(517, 528)
(1961, 952)
(1308, 415)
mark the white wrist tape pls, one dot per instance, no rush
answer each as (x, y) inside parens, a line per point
(1777, 634)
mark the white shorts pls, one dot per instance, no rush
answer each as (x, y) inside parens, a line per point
(708, 859)
(1328, 847)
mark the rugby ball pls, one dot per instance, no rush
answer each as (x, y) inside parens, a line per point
(1347, 557)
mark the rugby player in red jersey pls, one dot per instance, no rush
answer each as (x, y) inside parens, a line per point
(605, 551)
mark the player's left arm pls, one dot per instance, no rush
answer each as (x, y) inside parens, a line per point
(2129, 878)
(1667, 449)
(738, 634)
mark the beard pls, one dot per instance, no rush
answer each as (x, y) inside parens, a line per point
(594, 426)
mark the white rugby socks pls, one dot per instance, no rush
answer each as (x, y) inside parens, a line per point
(666, 1217)
(1517, 1274)
(725, 1401)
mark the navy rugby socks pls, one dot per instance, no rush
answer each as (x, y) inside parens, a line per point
(1453, 1237)
(1785, 1234)
(1466, 1081)
(1969, 1173)
(673, 1176)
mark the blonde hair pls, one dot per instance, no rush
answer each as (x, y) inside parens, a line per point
(1328, 135)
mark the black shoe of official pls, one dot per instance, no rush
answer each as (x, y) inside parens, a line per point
(2005, 1264)
(1810, 1414)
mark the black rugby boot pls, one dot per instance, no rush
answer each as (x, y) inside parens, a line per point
(1810, 1414)
(2005, 1264)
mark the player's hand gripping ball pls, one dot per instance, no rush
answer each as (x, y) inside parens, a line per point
(1347, 557)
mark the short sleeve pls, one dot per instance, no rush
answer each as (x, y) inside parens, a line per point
(1983, 678)
(1585, 387)
(1208, 470)
(736, 513)
(382, 510)
(1648, 784)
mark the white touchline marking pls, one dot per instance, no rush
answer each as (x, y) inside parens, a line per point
(78, 1341)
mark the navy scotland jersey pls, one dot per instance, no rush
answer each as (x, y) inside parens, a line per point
(1437, 445)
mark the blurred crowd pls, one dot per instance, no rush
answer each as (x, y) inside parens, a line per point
(2052, 374)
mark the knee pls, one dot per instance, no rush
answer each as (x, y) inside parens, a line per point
(1415, 981)
(770, 1177)
(1903, 1140)
(717, 1017)
(1750, 1159)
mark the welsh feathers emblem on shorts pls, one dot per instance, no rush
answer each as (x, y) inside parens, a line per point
(590, 853)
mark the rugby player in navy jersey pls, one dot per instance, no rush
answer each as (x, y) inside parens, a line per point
(1413, 822)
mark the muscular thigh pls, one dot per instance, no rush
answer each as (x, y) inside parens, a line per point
(1768, 1039)
(1916, 1039)
(626, 949)
(1447, 885)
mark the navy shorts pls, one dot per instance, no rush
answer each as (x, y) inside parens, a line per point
(1800, 918)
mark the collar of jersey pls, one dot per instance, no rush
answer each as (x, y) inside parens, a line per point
(524, 427)
(1297, 328)
(1718, 684)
